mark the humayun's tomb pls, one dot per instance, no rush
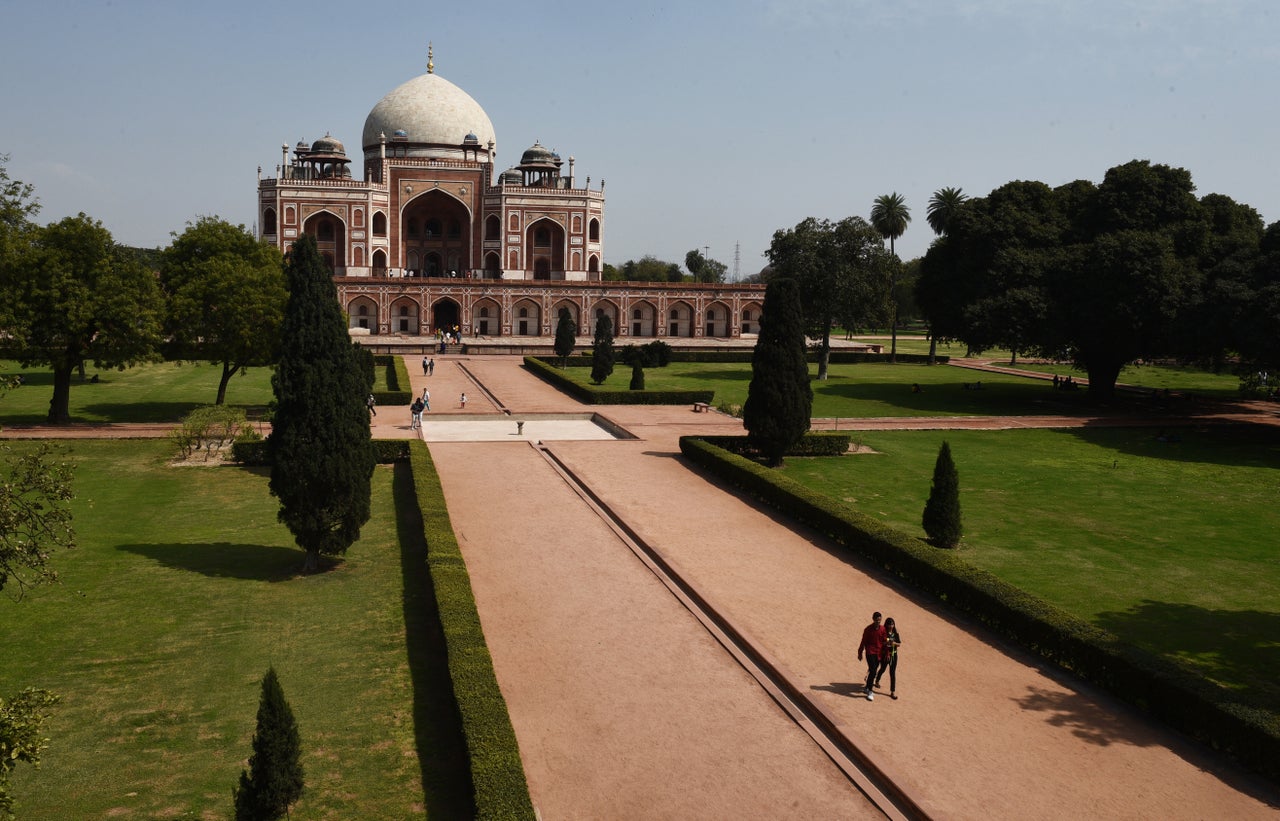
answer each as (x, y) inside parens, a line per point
(431, 236)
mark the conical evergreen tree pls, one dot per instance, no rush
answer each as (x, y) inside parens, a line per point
(780, 398)
(274, 779)
(637, 375)
(322, 454)
(941, 520)
(566, 335)
(602, 350)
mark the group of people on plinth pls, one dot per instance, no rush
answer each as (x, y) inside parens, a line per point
(880, 644)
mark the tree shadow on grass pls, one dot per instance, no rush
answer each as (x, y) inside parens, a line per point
(151, 412)
(1240, 648)
(437, 727)
(1236, 445)
(254, 562)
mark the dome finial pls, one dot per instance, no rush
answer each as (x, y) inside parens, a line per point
(431, 66)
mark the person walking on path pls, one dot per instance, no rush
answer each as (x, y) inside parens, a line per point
(415, 414)
(371, 404)
(462, 402)
(889, 657)
(426, 399)
(431, 367)
(426, 368)
(872, 644)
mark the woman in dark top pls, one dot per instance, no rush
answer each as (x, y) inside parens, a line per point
(889, 657)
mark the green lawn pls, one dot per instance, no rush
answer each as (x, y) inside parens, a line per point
(1185, 379)
(1170, 545)
(161, 392)
(872, 390)
(181, 593)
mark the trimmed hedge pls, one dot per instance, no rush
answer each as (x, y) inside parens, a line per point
(497, 773)
(600, 396)
(255, 452)
(395, 376)
(813, 443)
(1182, 699)
(837, 357)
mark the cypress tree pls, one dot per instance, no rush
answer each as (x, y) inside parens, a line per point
(566, 335)
(779, 398)
(320, 445)
(637, 375)
(941, 518)
(274, 779)
(602, 350)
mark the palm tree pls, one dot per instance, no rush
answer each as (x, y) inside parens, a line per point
(942, 207)
(889, 216)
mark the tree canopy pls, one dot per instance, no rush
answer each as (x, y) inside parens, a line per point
(322, 454)
(226, 295)
(1100, 275)
(74, 296)
(843, 273)
(647, 269)
(704, 269)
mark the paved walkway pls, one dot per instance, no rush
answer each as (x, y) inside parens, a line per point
(625, 708)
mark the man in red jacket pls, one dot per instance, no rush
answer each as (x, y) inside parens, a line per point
(873, 644)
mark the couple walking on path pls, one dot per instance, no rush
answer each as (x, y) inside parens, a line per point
(880, 644)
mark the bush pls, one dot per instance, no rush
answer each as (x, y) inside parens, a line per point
(252, 452)
(606, 396)
(209, 427)
(1171, 693)
(497, 773)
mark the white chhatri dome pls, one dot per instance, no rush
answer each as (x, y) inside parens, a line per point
(428, 110)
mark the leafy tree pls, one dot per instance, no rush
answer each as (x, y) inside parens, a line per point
(34, 516)
(942, 511)
(566, 335)
(1101, 275)
(647, 269)
(322, 455)
(843, 273)
(226, 296)
(274, 780)
(22, 738)
(779, 398)
(602, 350)
(704, 269)
(75, 296)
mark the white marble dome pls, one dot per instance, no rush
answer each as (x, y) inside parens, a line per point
(429, 110)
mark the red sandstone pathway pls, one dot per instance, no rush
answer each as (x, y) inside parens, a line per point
(625, 708)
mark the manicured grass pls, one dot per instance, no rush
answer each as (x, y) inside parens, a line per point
(1168, 544)
(872, 390)
(160, 392)
(181, 593)
(1183, 379)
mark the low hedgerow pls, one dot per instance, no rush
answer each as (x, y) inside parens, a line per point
(591, 395)
(253, 451)
(501, 790)
(395, 380)
(1182, 699)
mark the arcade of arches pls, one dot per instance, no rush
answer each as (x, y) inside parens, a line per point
(523, 310)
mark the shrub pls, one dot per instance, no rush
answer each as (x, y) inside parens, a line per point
(274, 779)
(941, 517)
(209, 427)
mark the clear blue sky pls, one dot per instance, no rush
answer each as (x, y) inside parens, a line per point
(713, 123)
